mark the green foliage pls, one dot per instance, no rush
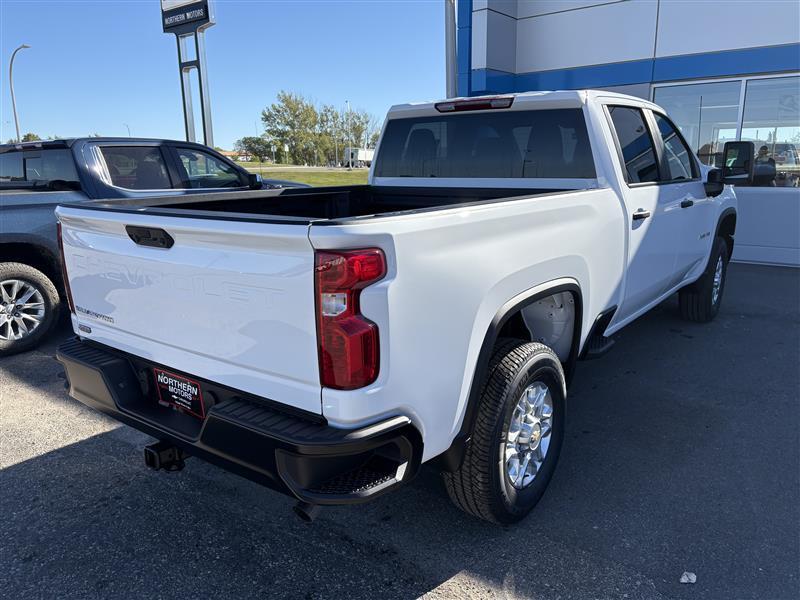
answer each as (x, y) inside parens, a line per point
(292, 121)
(314, 135)
(28, 137)
(257, 147)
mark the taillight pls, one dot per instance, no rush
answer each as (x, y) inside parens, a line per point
(348, 342)
(64, 270)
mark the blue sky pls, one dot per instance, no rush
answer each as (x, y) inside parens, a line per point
(96, 65)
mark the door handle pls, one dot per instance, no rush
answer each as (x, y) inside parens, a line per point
(687, 203)
(150, 236)
(641, 214)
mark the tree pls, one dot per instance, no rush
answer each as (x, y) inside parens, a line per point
(254, 146)
(373, 139)
(330, 133)
(315, 134)
(292, 121)
(361, 124)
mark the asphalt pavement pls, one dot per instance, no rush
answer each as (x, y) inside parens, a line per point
(682, 454)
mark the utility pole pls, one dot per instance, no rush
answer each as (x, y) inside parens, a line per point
(336, 140)
(349, 139)
(11, 84)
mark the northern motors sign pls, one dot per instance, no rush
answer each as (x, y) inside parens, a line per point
(185, 16)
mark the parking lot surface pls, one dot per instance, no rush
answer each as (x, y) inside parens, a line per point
(683, 454)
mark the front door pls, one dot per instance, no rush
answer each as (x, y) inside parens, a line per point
(683, 186)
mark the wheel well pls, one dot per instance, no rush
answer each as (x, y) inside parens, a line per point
(549, 320)
(727, 228)
(35, 256)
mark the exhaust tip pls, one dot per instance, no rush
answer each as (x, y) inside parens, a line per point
(307, 512)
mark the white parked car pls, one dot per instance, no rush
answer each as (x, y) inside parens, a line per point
(326, 342)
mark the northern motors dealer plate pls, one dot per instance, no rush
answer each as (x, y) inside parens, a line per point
(181, 392)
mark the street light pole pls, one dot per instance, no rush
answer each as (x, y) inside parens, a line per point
(128, 128)
(349, 139)
(11, 84)
(450, 48)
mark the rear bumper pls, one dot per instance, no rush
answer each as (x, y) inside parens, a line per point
(294, 454)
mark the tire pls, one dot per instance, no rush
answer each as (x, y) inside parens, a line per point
(700, 301)
(22, 282)
(484, 485)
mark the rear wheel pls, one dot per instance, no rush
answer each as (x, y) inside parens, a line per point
(28, 307)
(517, 435)
(700, 301)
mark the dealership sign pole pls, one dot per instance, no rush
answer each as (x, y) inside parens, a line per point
(188, 20)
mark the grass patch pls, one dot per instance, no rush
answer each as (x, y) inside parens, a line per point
(313, 176)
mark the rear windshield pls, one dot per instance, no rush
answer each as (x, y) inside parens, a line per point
(514, 144)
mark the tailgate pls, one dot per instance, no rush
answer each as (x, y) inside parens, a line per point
(229, 301)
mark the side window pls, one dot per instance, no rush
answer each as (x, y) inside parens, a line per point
(678, 155)
(635, 143)
(136, 167)
(202, 170)
(11, 168)
(43, 169)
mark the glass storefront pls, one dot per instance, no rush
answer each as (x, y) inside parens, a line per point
(767, 113)
(706, 113)
(772, 121)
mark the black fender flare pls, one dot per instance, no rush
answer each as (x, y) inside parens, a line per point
(724, 215)
(451, 458)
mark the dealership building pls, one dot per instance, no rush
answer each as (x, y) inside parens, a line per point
(724, 70)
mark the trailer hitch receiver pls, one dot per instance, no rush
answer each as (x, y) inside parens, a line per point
(163, 455)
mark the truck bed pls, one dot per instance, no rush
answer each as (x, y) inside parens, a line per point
(324, 203)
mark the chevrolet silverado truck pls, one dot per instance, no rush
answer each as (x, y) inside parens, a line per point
(36, 176)
(327, 342)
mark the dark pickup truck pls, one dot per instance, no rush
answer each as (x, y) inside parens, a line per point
(37, 176)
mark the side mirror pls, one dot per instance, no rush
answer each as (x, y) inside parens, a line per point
(714, 184)
(738, 159)
(254, 181)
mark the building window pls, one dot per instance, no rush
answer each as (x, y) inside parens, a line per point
(706, 113)
(771, 120)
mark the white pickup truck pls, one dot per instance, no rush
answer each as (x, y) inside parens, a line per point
(326, 342)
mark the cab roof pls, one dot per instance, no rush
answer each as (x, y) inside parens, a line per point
(522, 101)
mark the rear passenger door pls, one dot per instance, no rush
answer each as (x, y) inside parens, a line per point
(653, 217)
(132, 168)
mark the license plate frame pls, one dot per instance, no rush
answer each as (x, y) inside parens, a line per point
(180, 391)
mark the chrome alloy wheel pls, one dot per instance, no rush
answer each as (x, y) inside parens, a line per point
(21, 309)
(717, 282)
(529, 435)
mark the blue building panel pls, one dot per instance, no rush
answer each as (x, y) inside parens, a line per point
(625, 73)
(746, 61)
(730, 63)
(489, 81)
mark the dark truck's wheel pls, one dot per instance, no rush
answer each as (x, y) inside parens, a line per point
(28, 307)
(517, 435)
(700, 301)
